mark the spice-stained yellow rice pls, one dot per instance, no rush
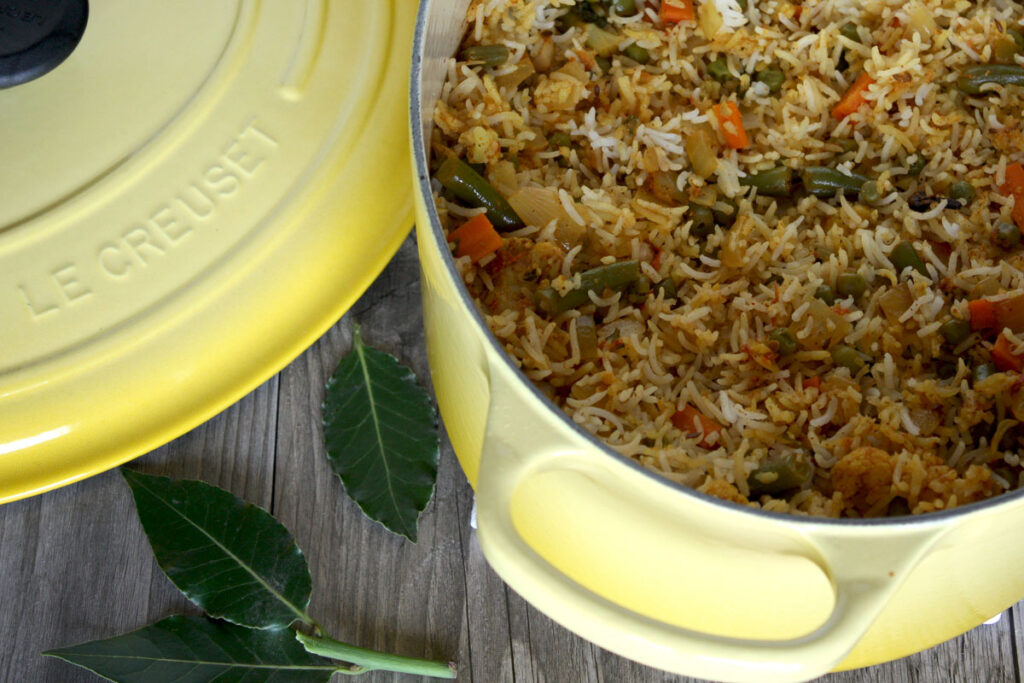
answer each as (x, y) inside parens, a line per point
(841, 337)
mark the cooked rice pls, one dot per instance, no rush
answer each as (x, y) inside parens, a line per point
(910, 431)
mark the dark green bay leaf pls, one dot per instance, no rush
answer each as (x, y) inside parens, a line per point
(229, 557)
(195, 650)
(381, 432)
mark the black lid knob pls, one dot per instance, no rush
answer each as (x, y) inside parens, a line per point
(37, 35)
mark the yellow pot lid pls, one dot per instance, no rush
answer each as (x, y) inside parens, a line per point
(194, 196)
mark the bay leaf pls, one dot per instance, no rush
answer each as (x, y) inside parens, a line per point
(194, 649)
(381, 434)
(229, 557)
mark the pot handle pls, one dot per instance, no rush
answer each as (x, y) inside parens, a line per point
(865, 574)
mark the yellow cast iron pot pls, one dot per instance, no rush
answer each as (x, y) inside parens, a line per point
(660, 573)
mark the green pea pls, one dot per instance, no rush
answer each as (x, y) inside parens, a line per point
(847, 357)
(785, 341)
(869, 193)
(624, 8)
(773, 78)
(703, 221)
(719, 70)
(955, 331)
(1006, 235)
(825, 293)
(559, 139)
(963, 192)
(604, 63)
(637, 54)
(917, 165)
(851, 284)
(983, 372)
(849, 31)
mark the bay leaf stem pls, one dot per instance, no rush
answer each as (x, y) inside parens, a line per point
(371, 660)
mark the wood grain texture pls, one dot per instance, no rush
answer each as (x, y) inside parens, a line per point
(74, 564)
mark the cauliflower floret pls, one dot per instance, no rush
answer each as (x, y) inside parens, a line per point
(864, 477)
(482, 146)
(558, 94)
(724, 490)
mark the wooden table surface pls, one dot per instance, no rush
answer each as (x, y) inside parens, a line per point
(75, 565)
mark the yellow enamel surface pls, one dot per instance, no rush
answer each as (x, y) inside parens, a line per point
(191, 199)
(626, 560)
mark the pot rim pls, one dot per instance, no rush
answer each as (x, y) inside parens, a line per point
(437, 233)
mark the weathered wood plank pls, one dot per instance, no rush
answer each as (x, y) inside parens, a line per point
(75, 564)
(1017, 626)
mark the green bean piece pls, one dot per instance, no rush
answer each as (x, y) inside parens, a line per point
(974, 77)
(983, 372)
(825, 293)
(955, 331)
(851, 284)
(488, 55)
(559, 139)
(850, 32)
(824, 182)
(963, 192)
(668, 286)
(719, 70)
(776, 182)
(470, 187)
(744, 4)
(624, 8)
(904, 256)
(915, 167)
(848, 357)
(870, 194)
(1006, 235)
(615, 276)
(637, 54)
(773, 78)
(780, 472)
(784, 340)
(703, 221)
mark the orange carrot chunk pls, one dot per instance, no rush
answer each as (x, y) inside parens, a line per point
(1013, 186)
(674, 11)
(692, 421)
(983, 314)
(476, 238)
(731, 123)
(853, 98)
(1004, 357)
(812, 382)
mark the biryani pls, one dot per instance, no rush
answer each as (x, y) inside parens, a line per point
(770, 250)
